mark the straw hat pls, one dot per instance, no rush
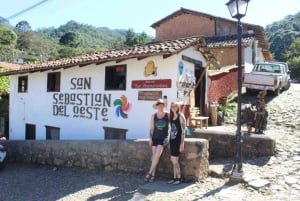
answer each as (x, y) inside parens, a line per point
(158, 102)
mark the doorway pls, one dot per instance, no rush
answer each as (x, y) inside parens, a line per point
(200, 88)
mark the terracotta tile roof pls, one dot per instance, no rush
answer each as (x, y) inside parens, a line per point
(165, 48)
(228, 41)
(10, 66)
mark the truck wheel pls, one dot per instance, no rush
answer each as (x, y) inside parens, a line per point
(277, 91)
(288, 85)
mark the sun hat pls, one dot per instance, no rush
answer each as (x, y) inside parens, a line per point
(158, 102)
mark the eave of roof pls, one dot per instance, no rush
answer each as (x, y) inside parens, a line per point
(165, 48)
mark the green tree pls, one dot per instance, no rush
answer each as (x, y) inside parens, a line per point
(23, 26)
(293, 50)
(118, 43)
(4, 83)
(7, 36)
(292, 56)
(8, 40)
(25, 39)
(143, 39)
(130, 38)
(281, 34)
(66, 52)
(70, 39)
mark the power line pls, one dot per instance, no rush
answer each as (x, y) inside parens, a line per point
(26, 10)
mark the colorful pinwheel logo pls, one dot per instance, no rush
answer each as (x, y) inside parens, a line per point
(122, 106)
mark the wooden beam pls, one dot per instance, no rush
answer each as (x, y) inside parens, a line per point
(82, 65)
(140, 58)
(167, 55)
(100, 62)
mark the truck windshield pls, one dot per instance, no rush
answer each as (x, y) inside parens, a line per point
(268, 68)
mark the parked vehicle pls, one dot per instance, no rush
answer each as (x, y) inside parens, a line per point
(273, 76)
(3, 156)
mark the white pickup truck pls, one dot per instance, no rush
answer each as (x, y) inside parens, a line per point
(268, 76)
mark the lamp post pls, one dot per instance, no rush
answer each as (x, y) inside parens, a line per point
(238, 9)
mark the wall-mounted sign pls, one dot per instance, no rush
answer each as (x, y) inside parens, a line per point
(150, 69)
(149, 95)
(143, 84)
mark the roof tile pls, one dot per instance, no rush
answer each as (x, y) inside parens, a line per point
(151, 49)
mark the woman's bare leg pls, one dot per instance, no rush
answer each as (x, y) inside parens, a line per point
(176, 167)
(156, 153)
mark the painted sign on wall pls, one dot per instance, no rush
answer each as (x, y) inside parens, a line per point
(87, 105)
(81, 105)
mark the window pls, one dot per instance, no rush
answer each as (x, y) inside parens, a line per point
(114, 133)
(52, 133)
(115, 77)
(22, 84)
(30, 132)
(53, 82)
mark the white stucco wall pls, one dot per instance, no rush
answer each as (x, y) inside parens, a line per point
(36, 106)
(248, 58)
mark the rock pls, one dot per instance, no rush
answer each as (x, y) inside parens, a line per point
(259, 183)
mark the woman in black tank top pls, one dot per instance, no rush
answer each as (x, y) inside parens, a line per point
(177, 134)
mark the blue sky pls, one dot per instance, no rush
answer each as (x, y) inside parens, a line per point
(136, 14)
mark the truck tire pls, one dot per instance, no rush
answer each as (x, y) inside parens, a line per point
(288, 85)
(277, 91)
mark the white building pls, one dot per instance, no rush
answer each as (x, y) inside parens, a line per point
(83, 98)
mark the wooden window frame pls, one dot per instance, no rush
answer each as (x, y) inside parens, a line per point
(115, 77)
(22, 84)
(53, 82)
(49, 134)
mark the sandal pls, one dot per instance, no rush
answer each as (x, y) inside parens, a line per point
(171, 181)
(177, 181)
(152, 178)
(147, 177)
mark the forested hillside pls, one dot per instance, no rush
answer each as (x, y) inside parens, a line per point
(282, 34)
(284, 39)
(68, 40)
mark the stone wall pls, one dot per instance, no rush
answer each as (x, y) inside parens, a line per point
(222, 144)
(110, 155)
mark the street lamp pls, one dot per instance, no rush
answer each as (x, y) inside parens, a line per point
(238, 9)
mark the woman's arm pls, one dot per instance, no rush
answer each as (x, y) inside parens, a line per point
(151, 129)
(183, 125)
